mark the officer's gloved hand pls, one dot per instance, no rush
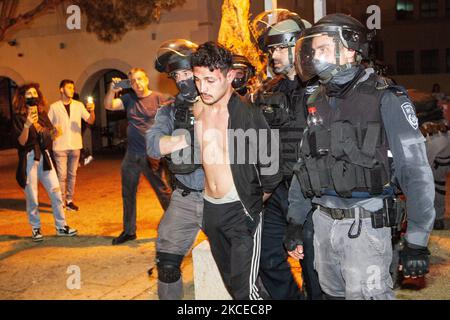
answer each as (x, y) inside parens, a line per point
(293, 236)
(414, 260)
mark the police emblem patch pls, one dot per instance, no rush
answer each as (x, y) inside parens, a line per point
(311, 89)
(410, 115)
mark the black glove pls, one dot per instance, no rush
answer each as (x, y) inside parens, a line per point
(415, 260)
(293, 236)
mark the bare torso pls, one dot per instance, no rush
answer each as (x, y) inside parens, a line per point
(211, 126)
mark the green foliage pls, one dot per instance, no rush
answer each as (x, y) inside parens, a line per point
(110, 20)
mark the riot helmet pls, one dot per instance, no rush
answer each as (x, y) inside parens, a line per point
(175, 55)
(279, 28)
(244, 72)
(319, 50)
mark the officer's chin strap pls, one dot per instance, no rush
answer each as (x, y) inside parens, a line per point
(339, 67)
(291, 59)
(358, 221)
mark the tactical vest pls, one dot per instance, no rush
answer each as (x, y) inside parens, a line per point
(184, 119)
(285, 111)
(348, 152)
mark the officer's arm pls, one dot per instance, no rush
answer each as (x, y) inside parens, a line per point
(412, 170)
(299, 206)
(158, 137)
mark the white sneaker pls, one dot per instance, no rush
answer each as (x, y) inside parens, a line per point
(36, 235)
(66, 232)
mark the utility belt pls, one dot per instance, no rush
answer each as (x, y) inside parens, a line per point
(391, 215)
(185, 189)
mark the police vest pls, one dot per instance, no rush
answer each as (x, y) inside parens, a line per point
(184, 119)
(285, 111)
(348, 152)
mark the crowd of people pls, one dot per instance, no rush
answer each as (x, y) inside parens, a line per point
(313, 163)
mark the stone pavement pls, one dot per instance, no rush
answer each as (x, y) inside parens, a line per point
(49, 270)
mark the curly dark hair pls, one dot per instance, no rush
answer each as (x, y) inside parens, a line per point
(19, 98)
(213, 56)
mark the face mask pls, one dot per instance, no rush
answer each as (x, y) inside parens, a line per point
(187, 88)
(32, 101)
(343, 81)
(323, 69)
(238, 82)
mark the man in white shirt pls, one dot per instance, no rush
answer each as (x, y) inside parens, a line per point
(66, 115)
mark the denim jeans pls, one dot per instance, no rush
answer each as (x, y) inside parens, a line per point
(66, 166)
(36, 173)
(352, 268)
(133, 165)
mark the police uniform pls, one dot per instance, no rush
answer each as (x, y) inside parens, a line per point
(345, 169)
(282, 102)
(182, 220)
(437, 134)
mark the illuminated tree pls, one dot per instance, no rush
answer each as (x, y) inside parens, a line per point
(235, 34)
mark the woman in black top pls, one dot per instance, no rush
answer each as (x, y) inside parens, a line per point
(35, 133)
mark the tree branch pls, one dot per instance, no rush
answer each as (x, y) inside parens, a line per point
(9, 20)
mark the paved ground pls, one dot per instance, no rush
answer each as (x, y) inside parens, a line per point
(48, 270)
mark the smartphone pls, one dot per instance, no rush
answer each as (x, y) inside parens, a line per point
(33, 110)
(90, 99)
(124, 84)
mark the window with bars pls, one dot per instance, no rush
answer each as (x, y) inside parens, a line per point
(405, 9)
(429, 61)
(429, 8)
(405, 62)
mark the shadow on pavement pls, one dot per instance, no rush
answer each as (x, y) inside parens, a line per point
(25, 243)
(20, 205)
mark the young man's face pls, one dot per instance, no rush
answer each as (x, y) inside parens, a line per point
(139, 81)
(212, 85)
(68, 90)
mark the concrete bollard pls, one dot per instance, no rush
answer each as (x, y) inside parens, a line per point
(208, 283)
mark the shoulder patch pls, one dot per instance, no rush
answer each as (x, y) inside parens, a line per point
(410, 114)
(310, 89)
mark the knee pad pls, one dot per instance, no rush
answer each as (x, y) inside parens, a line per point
(168, 273)
(168, 267)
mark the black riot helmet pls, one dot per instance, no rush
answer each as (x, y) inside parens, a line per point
(174, 55)
(244, 72)
(332, 32)
(279, 27)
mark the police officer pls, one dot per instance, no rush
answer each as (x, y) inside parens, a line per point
(344, 167)
(245, 71)
(437, 134)
(282, 101)
(172, 134)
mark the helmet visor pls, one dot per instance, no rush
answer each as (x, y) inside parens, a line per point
(317, 55)
(264, 22)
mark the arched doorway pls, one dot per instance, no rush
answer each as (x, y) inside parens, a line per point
(109, 130)
(7, 90)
